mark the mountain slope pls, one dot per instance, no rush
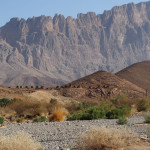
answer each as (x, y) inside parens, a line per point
(98, 85)
(138, 74)
(49, 49)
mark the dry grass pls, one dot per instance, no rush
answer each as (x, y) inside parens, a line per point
(124, 100)
(76, 106)
(106, 139)
(28, 108)
(45, 96)
(19, 141)
(58, 114)
(133, 110)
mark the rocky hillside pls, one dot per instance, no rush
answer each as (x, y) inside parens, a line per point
(138, 74)
(57, 50)
(98, 85)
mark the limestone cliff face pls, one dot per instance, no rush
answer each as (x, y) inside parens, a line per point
(58, 50)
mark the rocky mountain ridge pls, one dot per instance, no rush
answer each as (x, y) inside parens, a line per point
(53, 51)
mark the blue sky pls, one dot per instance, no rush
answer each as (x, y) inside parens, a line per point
(30, 8)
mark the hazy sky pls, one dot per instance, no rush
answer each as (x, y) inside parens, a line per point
(30, 8)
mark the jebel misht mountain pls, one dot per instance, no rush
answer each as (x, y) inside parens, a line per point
(53, 51)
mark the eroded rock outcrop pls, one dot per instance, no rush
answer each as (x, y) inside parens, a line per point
(67, 48)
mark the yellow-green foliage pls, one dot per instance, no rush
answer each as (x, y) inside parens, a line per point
(142, 105)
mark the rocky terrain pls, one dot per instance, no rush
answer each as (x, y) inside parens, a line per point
(58, 135)
(98, 85)
(92, 88)
(54, 51)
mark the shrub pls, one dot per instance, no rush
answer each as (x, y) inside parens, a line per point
(58, 114)
(28, 108)
(83, 105)
(39, 119)
(126, 110)
(105, 105)
(118, 112)
(147, 118)
(73, 106)
(115, 113)
(102, 138)
(4, 102)
(148, 131)
(53, 101)
(94, 112)
(20, 119)
(101, 112)
(119, 100)
(1, 120)
(123, 99)
(113, 100)
(76, 106)
(19, 141)
(122, 121)
(142, 105)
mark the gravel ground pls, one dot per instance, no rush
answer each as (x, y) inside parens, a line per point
(53, 135)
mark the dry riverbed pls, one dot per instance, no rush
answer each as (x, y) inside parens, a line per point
(58, 135)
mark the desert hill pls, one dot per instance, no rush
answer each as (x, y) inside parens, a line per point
(138, 74)
(58, 50)
(100, 85)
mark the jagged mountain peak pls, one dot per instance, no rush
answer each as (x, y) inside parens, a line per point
(66, 48)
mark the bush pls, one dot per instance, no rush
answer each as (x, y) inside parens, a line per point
(102, 138)
(142, 105)
(119, 100)
(1, 120)
(84, 105)
(58, 114)
(115, 113)
(28, 108)
(126, 110)
(39, 119)
(122, 121)
(77, 106)
(19, 141)
(53, 101)
(20, 119)
(94, 112)
(101, 112)
(4, 102)
(118, 112)
(147, 118)
(148, 131)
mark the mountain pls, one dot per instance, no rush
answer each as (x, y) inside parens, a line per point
(54, 51)
(138, 74)
(98, 85)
